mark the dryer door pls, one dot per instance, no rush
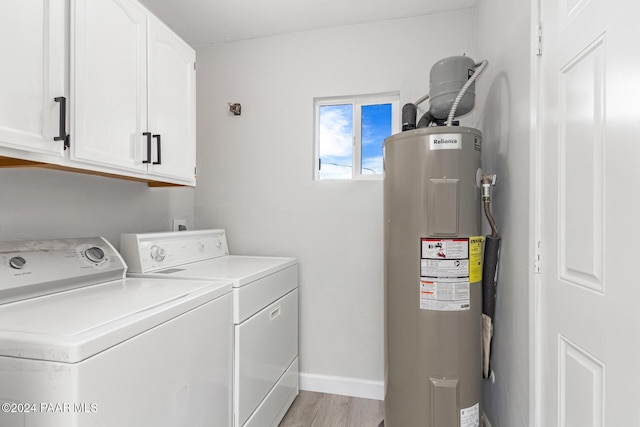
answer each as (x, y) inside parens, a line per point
(265, 347)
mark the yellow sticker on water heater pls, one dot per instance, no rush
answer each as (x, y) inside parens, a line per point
(475, 258)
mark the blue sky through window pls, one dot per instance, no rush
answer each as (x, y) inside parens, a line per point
(376, 126)
(336, 135)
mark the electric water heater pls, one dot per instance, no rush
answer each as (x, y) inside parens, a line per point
(433, 251)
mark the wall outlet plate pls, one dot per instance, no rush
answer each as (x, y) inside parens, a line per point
(179, 225)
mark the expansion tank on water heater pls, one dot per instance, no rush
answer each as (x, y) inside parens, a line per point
(433, 272)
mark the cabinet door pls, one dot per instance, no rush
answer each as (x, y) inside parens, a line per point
(109, 83)
(32, 74)
(172, 83)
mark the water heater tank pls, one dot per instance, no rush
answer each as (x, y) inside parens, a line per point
(433, 274)
(445, 81)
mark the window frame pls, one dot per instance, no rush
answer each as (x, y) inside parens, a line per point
(356, 102)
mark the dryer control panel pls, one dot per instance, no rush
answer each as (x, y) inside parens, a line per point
(41, 267)
(147, 252)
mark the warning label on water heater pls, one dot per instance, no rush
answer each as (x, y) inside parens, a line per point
(444, 274)
(444, 294)
(470, 417)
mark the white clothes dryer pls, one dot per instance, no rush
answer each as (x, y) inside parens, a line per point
(81, 345)
(265, 312)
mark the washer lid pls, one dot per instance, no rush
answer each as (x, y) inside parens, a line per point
(74, 325)
(240, 269)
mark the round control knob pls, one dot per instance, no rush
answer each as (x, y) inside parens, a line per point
(157, 253)
(94, 254)
(17, 262)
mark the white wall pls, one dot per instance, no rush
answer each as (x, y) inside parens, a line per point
(503, 114)
(42, 204)
(255, 173)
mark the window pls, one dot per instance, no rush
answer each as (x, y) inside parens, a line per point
(349, 135)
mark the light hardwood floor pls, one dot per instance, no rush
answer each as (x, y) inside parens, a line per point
(311, 409)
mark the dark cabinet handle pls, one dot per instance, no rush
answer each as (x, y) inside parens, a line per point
(148, 135)
(62, 133)
(159, 161)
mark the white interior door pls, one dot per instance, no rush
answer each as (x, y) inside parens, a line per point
(589, 321)
(32, 73)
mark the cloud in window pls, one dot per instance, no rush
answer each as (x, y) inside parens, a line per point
(335, 171)
(336, 130)
(372, 165)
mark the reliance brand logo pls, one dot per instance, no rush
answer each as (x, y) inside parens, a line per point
(445, 141)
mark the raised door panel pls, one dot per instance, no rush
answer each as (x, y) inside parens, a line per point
(32, 74)
(581, 92)
(172, 104)
(108, 83)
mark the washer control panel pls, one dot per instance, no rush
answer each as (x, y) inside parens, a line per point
(39, 267)
(148, 252)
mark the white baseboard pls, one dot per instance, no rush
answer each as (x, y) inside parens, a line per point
(485, 420)
(344, 386)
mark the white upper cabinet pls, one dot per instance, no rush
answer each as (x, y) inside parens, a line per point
(133, 93)
(172, 100)
(109, 83)
(32, 75)
(124, 80)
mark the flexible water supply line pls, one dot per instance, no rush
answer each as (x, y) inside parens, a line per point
(492, 222)
(478, 71)
(488, 180)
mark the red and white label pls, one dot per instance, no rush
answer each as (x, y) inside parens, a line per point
(444, 274)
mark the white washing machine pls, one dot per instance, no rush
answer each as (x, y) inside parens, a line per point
(265, 313)
(81, 345)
